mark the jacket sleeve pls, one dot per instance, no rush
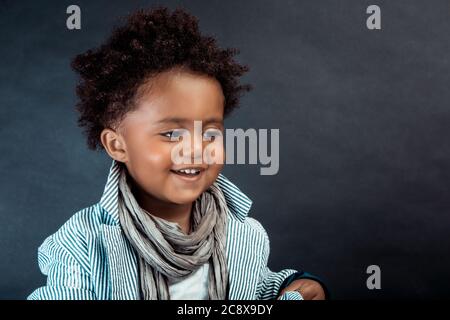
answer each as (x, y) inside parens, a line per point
(62, 257)
(272, 283)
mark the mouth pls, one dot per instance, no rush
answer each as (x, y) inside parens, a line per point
(189, 174)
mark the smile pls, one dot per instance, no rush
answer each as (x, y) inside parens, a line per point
(187, 171)
(189, 174)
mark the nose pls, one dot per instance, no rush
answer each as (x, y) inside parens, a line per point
(197, 147)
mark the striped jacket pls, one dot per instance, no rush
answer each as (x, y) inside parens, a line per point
(89, 257)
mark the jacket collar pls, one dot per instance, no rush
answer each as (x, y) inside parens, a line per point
(238, 203)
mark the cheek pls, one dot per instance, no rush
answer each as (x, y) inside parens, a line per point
(214, 153)
(219, 159)
(214, 171)
(160, 157)
(155, 156)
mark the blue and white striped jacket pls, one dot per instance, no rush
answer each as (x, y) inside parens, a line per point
(89, 257)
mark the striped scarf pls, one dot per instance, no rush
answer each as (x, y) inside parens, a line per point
(165, 251)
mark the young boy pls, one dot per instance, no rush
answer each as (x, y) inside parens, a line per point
(162, 230)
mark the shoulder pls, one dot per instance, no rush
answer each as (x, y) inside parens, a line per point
(250, 228)
(256, 225)
(69, 243)
(82, 223)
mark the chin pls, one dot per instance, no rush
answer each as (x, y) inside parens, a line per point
(186, 198)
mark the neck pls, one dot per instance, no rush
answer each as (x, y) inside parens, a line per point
(173, 212)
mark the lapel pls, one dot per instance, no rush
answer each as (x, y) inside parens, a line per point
(121, 259)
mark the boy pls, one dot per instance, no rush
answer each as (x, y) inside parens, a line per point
(162, 230)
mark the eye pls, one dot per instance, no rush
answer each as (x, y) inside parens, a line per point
(211, 134)
(173, 135)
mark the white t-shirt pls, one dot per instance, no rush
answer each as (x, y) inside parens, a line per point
(192, 287)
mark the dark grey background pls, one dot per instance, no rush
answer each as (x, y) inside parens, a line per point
(364, 124)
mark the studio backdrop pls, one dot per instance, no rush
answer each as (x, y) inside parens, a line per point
(359, 91)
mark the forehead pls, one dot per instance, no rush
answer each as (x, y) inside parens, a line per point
(180, 95)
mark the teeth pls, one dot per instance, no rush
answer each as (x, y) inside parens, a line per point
(189, 171)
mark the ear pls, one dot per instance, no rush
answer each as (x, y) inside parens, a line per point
(114, 145)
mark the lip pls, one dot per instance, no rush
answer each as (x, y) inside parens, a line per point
(198, 167)
(188, 178)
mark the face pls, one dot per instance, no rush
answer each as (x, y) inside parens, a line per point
(166, 111)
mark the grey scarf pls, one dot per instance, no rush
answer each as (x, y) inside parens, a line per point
(166, 252)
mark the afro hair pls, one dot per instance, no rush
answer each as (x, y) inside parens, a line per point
(151, 41)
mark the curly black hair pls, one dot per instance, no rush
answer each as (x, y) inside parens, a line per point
(150, 42)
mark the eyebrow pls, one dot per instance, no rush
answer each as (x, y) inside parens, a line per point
(184, 120)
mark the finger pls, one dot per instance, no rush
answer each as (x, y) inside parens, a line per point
(319, 295)
(307, 293)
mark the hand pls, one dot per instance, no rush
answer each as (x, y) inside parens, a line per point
(309, 289)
